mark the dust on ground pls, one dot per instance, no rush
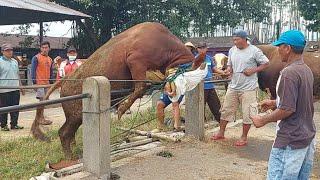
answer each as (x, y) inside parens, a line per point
(213, 159)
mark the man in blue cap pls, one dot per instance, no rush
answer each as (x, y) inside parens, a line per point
(293, 150)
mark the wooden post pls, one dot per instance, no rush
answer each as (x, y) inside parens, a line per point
(195, 112)
(41, 32)
(96, 127)
(155, 97)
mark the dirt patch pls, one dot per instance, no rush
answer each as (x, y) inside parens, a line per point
(213, 159)
(193, 161)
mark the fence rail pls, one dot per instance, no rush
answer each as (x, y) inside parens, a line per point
(116, 80)
(26, 87)
(42, 103)
(113, 91)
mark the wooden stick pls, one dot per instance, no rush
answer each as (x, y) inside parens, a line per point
(137, 138)
(149, 134)
(116, 156)
(69, 170)
(131, 151)
(133, 144)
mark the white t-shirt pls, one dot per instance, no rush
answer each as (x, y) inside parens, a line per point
(188, 81)
(240, 60)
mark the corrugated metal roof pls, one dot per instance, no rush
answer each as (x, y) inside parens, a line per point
(15, 40)
(32, 11)
(218, 42)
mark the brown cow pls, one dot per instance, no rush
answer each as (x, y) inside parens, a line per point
(147, 46)
(268, 78)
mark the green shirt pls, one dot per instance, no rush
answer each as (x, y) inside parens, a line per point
(9, 69)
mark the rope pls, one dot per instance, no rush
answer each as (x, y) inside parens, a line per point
(127, 132)
(157, 86)
(133, 127)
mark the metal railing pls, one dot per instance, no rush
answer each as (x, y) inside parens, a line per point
(42, 103)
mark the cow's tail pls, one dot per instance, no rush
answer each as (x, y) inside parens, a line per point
(35, 128)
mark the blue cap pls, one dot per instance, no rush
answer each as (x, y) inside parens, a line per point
(293, 38)
(240, 33)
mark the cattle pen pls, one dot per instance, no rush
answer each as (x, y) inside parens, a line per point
(96, 98)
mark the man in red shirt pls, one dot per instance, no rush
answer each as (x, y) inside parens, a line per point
(71, 64)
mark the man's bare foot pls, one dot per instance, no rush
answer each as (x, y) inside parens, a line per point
(218, 136)
(241, 142)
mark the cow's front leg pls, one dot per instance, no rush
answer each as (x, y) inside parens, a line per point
(139, 90)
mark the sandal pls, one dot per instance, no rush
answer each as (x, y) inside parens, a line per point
(241, 143)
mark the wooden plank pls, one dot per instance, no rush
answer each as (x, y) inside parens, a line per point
(152, 135)
(133, 144)
(96, 127)
(194, 125)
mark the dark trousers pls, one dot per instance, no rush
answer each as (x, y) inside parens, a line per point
(213, 101)
(9, 99)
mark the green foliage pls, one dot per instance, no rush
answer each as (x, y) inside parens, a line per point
(310, 10)
(27, 42)
(166, 154)
(25, 157)
(182, 17)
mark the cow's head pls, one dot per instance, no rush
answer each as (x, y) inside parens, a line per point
(221, 61)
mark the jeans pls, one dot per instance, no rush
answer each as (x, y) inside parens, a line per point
(291, 164)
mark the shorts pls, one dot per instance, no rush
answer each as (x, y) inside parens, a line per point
(41, 92)
(248, 101)
(165, 99)
(288, 163)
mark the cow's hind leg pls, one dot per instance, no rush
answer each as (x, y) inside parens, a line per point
(67, 135)
(138, 72)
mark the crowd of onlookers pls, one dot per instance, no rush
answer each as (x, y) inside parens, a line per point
(42, 73)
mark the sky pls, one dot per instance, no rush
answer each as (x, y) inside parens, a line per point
(56, 29)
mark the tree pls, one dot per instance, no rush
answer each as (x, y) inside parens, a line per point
(182, 17)
(310, 10)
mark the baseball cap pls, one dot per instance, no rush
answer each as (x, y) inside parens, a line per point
(189, 44)
(240, 33)
(293, 38)
(6, 46)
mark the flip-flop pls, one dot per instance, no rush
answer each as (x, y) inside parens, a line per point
(241, 143)
(216, 138)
